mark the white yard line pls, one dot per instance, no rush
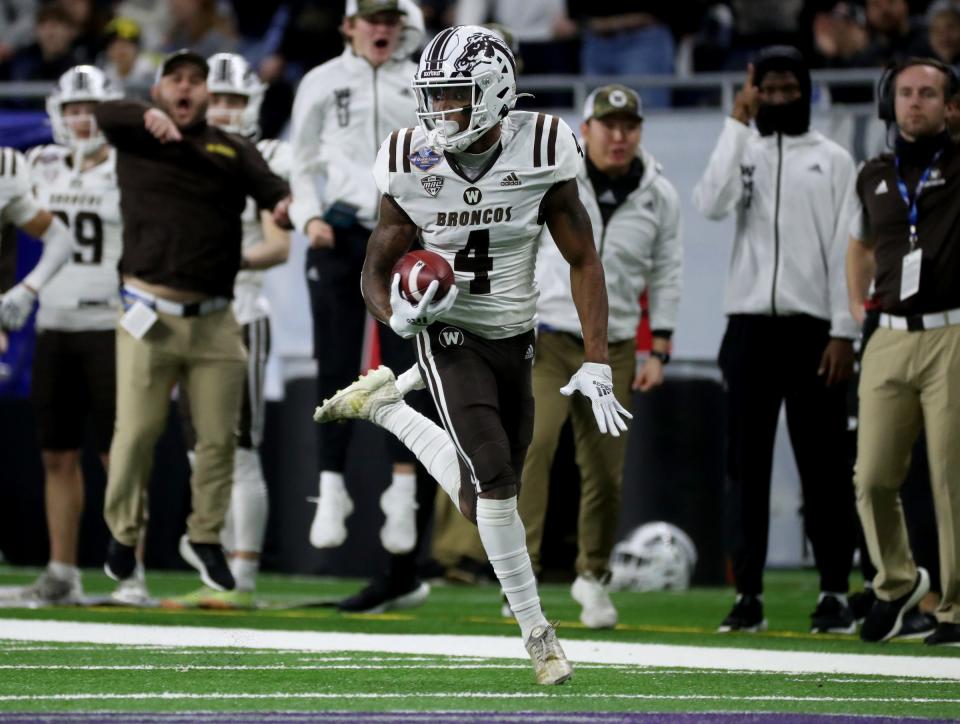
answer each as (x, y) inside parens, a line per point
(502, 647)
(500, 695)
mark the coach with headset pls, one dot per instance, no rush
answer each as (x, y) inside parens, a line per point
(906, 240)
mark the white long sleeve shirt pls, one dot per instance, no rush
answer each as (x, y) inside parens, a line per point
(640, 248)
(343, 111)
(794, 197)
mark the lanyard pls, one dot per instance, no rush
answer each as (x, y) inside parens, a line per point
(912, 213)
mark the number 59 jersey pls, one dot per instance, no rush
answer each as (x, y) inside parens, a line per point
(83, 294)
(488, 228)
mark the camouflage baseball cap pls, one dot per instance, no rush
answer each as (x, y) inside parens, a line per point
(610, 99)
(372, 7)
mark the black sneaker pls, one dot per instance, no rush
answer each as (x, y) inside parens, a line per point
(861, 602)
(917, 624)
(121, 561)
(947, 634)
(746, 615)
(209, 560)
(885, 618)
(832, 615)
(382, 595)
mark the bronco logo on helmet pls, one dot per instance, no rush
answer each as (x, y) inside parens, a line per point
(480, 49)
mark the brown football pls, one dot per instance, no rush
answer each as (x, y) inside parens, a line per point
(417, 269)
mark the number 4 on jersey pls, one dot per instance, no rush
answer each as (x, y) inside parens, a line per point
(475, 258)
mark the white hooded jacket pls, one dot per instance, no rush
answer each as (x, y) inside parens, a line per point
(640, 248)
(794, 197)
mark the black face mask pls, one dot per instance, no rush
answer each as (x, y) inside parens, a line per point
(790, 119)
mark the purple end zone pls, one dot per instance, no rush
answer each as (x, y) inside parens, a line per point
(465, 717)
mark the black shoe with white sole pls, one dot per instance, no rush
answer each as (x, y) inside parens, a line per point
(746, 615)
(383, 595)
(121, 561)
(916, 624)
(210, 562)
(947, 634)
(832, 615)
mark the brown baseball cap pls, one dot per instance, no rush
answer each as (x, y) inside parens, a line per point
(372, 7)
(611, 99)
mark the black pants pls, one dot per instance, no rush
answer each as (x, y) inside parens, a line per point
(767, 361)
(339, 319)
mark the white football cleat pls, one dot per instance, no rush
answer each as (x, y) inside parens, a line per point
(329, 527)
(361, 399)
(549, 662)
(399, 531)
(597, 609)
(132, 591)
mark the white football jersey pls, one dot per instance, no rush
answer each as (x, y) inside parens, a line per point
(17, 205)
(83, 295)
(248, 300)
(487, 229)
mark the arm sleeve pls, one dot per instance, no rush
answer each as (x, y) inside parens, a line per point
(720, 187)
(309, 108)
(666, 273)
(122, 124)
(847, 207)
(263, 185)
(57, 249)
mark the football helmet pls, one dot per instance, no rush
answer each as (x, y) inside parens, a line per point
(654, 557)
(231, 74)
(80, 84)
(478, 63)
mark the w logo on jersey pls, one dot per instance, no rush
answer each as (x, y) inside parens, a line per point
(472, 196)
(451, 337)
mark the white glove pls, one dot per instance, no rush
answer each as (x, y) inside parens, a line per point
(409, 320)
(595, 382)
(16, 305)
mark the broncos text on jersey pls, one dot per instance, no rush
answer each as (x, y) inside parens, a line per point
(487, 229)
(83, 294)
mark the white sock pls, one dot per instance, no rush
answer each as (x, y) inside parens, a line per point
(63, 571)
(504, 540)
(429, 442)
(245, 572)
(248, 503)
(332, 483)
(409, 381)
(405, 483)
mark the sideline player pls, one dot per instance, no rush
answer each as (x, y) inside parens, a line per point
(476, 185)
(74, 363)
(236, 94)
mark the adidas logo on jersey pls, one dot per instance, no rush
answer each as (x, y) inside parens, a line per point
(432, 184)
(529, 353)
(815, 168)
(511, 179)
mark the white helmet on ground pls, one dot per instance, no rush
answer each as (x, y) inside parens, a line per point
(466, 57)
(654, 557)
(231, 74)
(80, 84)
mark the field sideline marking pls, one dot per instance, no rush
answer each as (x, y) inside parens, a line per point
(501, 647)
(166, 695)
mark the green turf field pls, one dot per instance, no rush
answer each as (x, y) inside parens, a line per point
(241, 673)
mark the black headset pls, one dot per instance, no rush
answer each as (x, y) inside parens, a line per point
(885, 93)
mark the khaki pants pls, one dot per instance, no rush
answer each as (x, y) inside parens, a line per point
(599, 457)
(910, 381)
(206, 355)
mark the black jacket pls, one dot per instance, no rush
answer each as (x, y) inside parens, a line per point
(181, 202)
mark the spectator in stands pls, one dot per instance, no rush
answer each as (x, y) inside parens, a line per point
(893, 34)
(51, 54)
(540, 27)
(943, 19)
(16, 26)
(635, 42)
(90, 21)
(336, 135)
(123, 63)
(184, 185)
(260, 27)
(153, 17)
(905, 240)
(839, 36)
(636, 211)
(199, 25)
(789, 336)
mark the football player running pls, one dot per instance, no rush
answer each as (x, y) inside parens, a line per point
(73, 365)
(476, 183)
(236, 94)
